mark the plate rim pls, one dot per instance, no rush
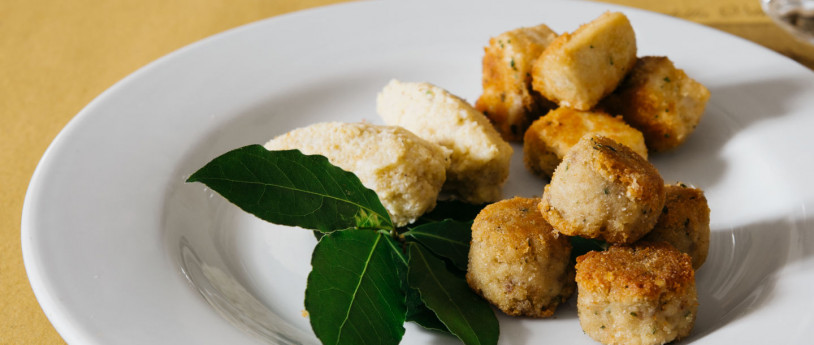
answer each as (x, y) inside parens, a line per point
(50, 305)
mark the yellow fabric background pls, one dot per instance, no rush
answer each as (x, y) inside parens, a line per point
(56, 56)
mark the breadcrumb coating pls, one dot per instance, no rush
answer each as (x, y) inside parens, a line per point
(550, 137)
(659, 100)
(580, 68)
(640, 294)
(602, 189)
(479, 156)
(405, 171)
(684, 222)
(517, 261)
(629, 272)
(507, 99)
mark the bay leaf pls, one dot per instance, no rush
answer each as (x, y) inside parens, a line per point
(416, 310)
(448, 239)
(450, 209)
(290, 188)
(465, 314)
(354, 294)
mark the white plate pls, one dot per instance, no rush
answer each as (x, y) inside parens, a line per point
(119, 250)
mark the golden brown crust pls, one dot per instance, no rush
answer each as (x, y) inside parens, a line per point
(515, 220)
(602, 189)
(517, 261)
(507, 98)
(684, 222)
(660, 100)
(405, 171)
(538, 156)
(644, 270)
(619, 163)
(579, 69)
(550, 137)
(636, 295)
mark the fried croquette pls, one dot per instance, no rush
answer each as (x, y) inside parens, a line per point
(405, 171)
(579, 69)
(517, 261)
(508, 100)
(643, 294)
(659, 100)
(602, 189)
(551, 136)
(480, 157)
(684, 222)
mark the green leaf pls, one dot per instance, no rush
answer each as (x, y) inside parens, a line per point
(354, 294)
(584, 245)
(464, 313)
(450, 209)
(416, 310)
(448, 239)
(399, 257)
(318, 234)
(423, 316)
(290, 188)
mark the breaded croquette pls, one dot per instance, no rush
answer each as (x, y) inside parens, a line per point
(579, 69)
(661, 101)
(517, 261)
(551, 136)
(602, 189)
(405, 171)
(684, 222)
(480, 157)
(636, 295)
(508, 100)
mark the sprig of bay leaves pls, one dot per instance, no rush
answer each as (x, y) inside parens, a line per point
(367, 277)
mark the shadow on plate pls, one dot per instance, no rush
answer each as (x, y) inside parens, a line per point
(235, 303)
(731, 109)
(743, 266)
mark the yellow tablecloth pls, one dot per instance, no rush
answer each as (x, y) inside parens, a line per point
(56, 56)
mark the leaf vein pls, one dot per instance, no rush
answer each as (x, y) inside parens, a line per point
(358, 285)
(446, 293)
(328, 196)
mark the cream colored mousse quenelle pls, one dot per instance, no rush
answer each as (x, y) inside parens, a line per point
(480, 157)
(405, 171)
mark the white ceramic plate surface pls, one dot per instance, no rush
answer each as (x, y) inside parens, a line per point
(119, 250)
